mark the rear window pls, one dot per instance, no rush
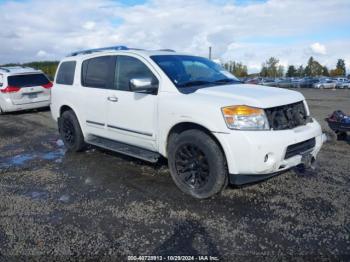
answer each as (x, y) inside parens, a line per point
(65, 75)
(27, 80)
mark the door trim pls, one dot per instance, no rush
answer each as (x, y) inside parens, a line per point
(95, 123)
(129, 130)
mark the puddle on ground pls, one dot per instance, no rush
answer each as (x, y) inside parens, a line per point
(37, 195)
(64, 198)
(56, 155)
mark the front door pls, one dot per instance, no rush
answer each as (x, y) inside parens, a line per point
(132, 116)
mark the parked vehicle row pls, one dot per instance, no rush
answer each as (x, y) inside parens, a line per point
(306, 82)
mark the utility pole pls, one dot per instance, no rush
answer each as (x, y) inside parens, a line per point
(210, 52)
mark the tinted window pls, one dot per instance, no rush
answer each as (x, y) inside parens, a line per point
(128, 68)
(65, 75)
(28, 80)
(96, 72)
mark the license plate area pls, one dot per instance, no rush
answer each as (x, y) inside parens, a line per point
(32, 96)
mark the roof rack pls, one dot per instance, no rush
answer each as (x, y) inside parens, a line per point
(89, 51)
(112, 48)
(167, 50)
(5, 69)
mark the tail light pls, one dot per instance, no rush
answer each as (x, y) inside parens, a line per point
(10, 89)
(48, 85)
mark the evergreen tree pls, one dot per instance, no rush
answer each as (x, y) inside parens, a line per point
(341, 67)
(325, 71)
(300, 71)
(291, 72)
(313, 68)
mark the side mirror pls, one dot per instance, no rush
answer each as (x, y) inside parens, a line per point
(143, 85)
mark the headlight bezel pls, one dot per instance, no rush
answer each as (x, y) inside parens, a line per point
(241, 117)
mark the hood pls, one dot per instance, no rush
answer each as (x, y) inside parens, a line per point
(251, 95)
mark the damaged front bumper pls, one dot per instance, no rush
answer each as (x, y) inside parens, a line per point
(257, 155)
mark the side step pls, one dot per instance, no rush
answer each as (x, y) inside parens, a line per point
(125, 149)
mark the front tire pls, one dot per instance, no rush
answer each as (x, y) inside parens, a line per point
(70, 132)
(197, 164)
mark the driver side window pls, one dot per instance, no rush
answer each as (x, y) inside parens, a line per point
(128, 68)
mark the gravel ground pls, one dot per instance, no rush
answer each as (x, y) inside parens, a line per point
(99, 204)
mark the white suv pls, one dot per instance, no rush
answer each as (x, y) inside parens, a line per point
(23, 88)
(212, 128)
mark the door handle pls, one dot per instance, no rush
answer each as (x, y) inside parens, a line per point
(112, 99)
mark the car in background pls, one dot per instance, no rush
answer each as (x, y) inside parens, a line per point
(325, 83)
(267, 82)
(254, 81)
(342, 82)
(308, 82)
(284, 83)
(23, 88)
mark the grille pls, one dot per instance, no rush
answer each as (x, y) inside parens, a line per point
(300, 148)
(287, 116)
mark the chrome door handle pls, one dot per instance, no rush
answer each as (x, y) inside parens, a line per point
(112, 99)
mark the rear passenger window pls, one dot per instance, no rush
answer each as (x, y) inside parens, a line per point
(97, 72)
(65, 75)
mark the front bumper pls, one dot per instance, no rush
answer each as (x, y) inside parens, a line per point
(262, 153)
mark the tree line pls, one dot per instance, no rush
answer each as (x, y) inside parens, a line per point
(48, 67)
(272, 68)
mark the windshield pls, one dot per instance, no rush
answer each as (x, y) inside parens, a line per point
(189, 71)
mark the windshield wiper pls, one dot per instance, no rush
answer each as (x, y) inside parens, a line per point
(195, 83)
(227, 80)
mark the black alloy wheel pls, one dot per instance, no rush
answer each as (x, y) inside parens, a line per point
(192, 166)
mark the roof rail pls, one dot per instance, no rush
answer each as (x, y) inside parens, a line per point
(5, 69)
(167, 50)
(89, 51)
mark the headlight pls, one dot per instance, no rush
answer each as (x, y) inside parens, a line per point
(245, 118)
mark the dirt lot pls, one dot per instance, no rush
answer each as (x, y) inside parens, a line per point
(100, 204)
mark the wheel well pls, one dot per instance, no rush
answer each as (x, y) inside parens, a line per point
(64, 109)
(181, 127)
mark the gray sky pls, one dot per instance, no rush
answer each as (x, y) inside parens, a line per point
(246, 31)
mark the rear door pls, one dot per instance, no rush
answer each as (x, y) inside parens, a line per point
(97, 82)
(29, 88)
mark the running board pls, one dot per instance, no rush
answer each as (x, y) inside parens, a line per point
(125, 149)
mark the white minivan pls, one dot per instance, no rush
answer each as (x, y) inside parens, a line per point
(212, 128)
(23, 88)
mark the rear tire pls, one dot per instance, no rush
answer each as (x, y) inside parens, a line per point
(197, 164)
(70, 132)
